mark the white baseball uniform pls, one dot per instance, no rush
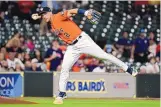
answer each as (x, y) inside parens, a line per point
(87, 46)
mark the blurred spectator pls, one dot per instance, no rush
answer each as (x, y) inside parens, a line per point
(14, 63)
(139, 50)
(54, 55)
(35, 65)
(1, 68)
(108, 47)
(78, 66)
(142, 69)
(1, 16)
(123, 46)
(21, 56)
(91, 63)
(151, 36)
(4, 51)
(18, 67)
(30, 45)
(101, 67)
(152, 48)
(3, 8)
(27, 59)
(22, 42)
(28, 66)
(151, 67)
(14, 44)
(4, 66)
(38, 56)
(59, 68)
(158, 52)
(2, 57)
(11, 58)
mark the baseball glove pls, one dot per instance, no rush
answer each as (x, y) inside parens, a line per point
(93, 16)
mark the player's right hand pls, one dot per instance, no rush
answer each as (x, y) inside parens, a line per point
(35, 16)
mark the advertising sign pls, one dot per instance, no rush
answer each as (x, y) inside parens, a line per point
(97, 85)
(11, 84)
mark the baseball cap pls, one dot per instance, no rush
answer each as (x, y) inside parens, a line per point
(142, 31)
(44, 10)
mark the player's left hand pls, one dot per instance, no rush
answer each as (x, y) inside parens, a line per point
(93, 16)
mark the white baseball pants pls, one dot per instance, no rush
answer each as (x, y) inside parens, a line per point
(84, 45)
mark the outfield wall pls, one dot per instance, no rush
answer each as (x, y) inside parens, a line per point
(148, 86)
(80, 85)
(38, 84)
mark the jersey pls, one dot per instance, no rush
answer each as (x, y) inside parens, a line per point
(64, 27)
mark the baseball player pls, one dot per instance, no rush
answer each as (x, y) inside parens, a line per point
(78, 42)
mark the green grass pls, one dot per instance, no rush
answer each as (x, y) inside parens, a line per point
(48, 102)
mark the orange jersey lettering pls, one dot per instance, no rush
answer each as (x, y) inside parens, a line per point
(65, 28)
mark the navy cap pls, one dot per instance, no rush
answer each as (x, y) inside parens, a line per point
(142, 31)
(44, 10)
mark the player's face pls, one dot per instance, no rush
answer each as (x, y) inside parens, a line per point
(47, 16)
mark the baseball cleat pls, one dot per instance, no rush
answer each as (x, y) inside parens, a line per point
(132, 71)
(59, 99)
(135, 74)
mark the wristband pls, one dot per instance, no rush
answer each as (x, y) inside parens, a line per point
(81, 11)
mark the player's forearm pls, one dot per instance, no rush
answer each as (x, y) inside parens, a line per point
(73, 11)
(77, 11)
